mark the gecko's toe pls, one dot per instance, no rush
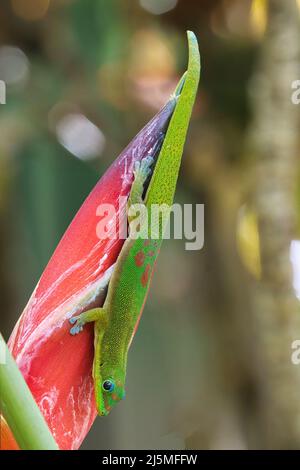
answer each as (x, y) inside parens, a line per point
(73, 320)
(76, 329)
(146, 163)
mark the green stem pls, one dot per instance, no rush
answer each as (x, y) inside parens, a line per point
(19, 408)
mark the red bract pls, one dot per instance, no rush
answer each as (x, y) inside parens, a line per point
(57, 366)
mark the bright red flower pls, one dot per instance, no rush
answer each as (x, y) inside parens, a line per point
(57, 366)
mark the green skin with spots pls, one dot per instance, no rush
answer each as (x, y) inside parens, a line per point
(117, 321)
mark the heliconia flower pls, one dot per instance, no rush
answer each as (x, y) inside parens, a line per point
(57, 366)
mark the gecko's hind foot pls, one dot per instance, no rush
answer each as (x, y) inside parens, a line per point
(142, 169)
(78, 325)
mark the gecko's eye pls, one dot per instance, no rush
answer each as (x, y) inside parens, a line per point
(108, 385)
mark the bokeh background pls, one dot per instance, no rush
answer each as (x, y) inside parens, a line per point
(210, 366)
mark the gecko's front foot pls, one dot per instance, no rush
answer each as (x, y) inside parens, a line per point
(95, 314)
(78, 325)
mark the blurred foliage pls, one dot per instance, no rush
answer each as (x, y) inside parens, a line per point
(111, 65)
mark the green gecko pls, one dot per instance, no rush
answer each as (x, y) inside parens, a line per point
(117, 321)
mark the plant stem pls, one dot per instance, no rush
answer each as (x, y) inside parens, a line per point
(19, 407)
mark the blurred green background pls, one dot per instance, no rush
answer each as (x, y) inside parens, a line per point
(210, 366)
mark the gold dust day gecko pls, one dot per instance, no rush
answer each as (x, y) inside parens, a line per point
(117, 321)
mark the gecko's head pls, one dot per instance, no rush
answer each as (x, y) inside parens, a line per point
(110, 392)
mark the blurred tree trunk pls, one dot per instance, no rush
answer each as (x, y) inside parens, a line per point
(274, 136)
